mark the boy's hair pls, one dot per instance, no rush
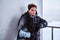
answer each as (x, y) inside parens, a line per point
(31, 5)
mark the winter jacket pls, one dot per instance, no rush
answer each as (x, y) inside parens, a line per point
(31, 24)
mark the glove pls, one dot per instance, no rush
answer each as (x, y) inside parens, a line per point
(24, 34)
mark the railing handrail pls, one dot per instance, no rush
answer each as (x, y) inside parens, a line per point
(53, 27)
(52, 30)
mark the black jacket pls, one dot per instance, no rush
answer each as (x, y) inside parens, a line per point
(32, 25)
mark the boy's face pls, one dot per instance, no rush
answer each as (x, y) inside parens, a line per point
(32, 11)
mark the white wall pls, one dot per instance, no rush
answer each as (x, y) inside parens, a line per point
(10, 11)
(56, 34)
(47, 33)
(51, 10)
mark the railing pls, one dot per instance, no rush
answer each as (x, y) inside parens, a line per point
(52, 27)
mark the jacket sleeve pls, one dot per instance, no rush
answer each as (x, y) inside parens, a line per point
(21, 26)
(43, 23)
(21, 23)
